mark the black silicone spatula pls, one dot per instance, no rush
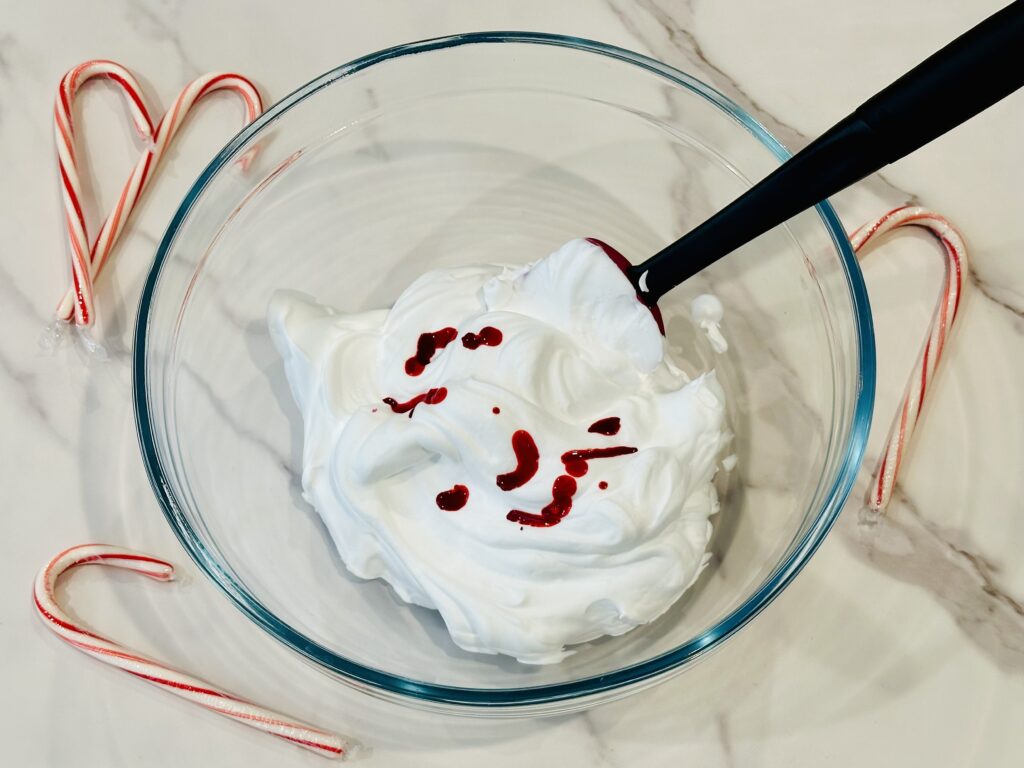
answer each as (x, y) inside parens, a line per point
(967, 76)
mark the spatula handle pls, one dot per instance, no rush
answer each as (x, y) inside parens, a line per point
(970, 74)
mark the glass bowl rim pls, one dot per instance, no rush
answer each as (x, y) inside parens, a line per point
(426, 693)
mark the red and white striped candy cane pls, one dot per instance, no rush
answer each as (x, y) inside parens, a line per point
(87, 260)
(884, 479)
(81, 305)
(171, 680)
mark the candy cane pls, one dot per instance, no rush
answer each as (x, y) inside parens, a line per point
(884, 479)
(171, 680)
(86, 260)
(67, 164)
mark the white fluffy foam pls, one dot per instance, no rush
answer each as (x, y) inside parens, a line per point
(577, 347)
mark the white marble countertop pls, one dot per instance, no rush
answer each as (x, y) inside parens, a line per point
(901, 644)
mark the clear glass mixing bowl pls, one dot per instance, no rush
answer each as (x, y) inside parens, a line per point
(488, 147)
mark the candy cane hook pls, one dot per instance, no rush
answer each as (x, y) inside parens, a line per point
(884, 479)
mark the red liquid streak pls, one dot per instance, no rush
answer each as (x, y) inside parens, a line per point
(489, 336)
(561, 504)
(431, 397)
(576, 461)
(426, 347)
(527, 460)
(609, 426)
(623, 264)
(453, 500)
(564, 486)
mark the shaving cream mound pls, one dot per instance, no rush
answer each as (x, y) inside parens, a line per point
(512, 447)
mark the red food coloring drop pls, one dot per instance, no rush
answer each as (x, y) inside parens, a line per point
(576, 468)
(623, 264)
(489, 336)
(609, 426)
(453, 500)
(603, 485)
(495, 410)
(576, 461)
(430, 397)
(427, 346)
(527, 461)
(562, 491)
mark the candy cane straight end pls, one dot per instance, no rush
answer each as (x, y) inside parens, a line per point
(171, 680)
(883, 481)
